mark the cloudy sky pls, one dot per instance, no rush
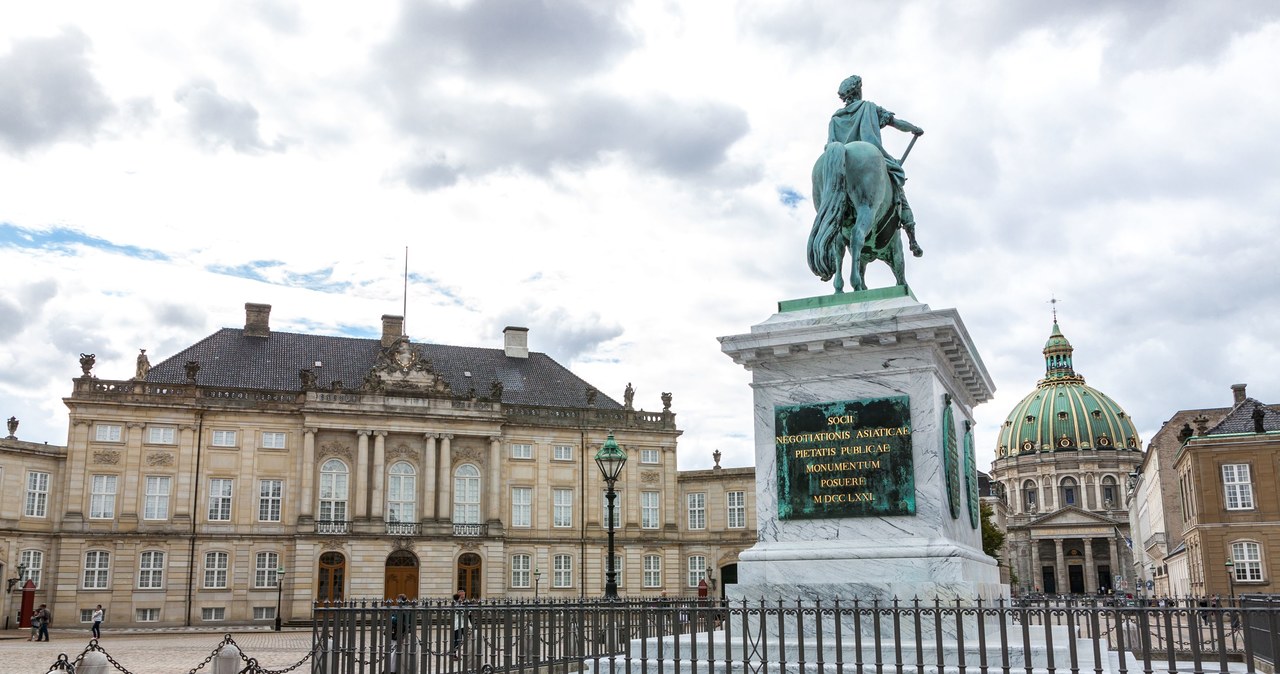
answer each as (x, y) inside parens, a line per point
(631, 180)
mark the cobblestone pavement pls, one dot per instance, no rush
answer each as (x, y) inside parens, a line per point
(154, 652)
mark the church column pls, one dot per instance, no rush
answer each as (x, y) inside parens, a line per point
(361, 485)
(495, 478)
(1116, 571)
(1060, 570)
(429, 479)
(181, 494)
(128, 507)
(379, 472)
(444, 488)
(1090, 571)
(308, 472)
(1037, 573)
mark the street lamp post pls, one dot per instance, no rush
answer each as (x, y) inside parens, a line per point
(537, 577)
(22, 571)
(279, 590)
(1231, 578)
(711, 579)
(610, 460)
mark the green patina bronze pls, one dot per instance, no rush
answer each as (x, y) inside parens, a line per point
(971, 476)
(842, 299)
(858, 193)
(950, 457)
(848, 458)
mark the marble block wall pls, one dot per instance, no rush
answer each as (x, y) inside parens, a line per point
(871, 349)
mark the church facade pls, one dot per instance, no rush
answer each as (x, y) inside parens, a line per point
(1063, 459)
(257, 467)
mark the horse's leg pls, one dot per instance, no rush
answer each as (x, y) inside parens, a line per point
(896, 260)
(838, 279)
(863, 219)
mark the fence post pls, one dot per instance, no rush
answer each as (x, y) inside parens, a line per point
(94, 662)
(227, 661)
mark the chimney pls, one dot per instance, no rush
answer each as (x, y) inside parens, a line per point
(257, 320)
(392, 329)
(1237, 392)
(515, 342)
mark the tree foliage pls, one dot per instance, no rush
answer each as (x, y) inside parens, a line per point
(992, 537)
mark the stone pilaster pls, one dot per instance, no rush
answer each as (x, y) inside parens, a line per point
(1090, 570)
(444, 487)
(495, 480)
(360, 486)
(307, 472)
(379, 473)
(1037, 571)
(1060, 567)
(430, 480)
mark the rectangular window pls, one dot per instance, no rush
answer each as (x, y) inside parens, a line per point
(649, 509)
(213, 614)
(107, 432)
(562, 571)
(37, 495)
(521, 451)
(520, 565)
(224, 438)
(161, 435)
(521, 507)
(1069, 495)
(697, 569)
(1238, 488)
(151, 570)
(648, 456)
(562, 452)
(652, 571)
(220, 500)
(146, 615)
(617, 569)
(215, 570)
(86, 615)
(562, 507)
(270, 496)
(97, 566)
(1247, 561)
(697, 511)
(264, 569)
(737, 509)
(273, 440)
(264, 613)
(34, 561)
(155, 505)
(102, 497)
(617, 509)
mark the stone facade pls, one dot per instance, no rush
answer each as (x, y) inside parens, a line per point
(178, 496)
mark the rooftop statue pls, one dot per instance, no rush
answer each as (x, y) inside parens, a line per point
(857, 192)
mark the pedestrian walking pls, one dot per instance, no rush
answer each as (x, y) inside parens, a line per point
(97, 622)
(43, 617)
(460, 619)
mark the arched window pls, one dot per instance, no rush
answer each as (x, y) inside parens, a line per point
(333, 494)
(401, 496)
(1070, 491)
(151, 570)
(1108, 492)
(466, 495)
(1029, 495)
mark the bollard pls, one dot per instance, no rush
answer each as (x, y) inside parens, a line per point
(227, 661)
(94, 662)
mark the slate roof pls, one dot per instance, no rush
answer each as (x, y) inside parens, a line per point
(1240, 419)
(229, 358)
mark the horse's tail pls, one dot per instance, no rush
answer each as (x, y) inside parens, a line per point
(824, 237)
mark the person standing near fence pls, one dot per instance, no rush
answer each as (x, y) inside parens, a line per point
(459, 623)
(97, 622)
(43, 617)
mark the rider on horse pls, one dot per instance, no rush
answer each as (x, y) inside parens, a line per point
(862, 120)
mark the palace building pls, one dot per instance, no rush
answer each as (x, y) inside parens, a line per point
(1063, 457)
(357, 468)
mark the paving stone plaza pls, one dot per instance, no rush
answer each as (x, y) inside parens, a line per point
(153, 651)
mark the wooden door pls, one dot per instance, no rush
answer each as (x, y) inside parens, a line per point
(401, 575)
(331, 577)
(469, 574)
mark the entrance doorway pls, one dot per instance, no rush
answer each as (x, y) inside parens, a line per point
(1075, 578)
(1104, 577)
(401, 576)
(728, 576)
(469, 574)
(1048, 581)
(331, 577)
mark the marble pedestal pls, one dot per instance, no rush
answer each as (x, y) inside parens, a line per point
(865, 346)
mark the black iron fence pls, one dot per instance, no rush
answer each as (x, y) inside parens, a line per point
(700, 635)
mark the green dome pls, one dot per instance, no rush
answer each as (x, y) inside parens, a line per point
(1063, 413)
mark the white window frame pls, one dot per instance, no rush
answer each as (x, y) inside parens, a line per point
(521, 450)
(1237, 486)
(562, 571)
(522, 507)
(108, 433)
(264, 613)
(217, 564)
(736, 509)
(151, 570)
(162, 435)
(520, 570)
(1246, 558)
(37, 501)
(466, 494)
(402, 493)
(697, 566)
(102, 496)
(34, 571)
(155, 498)
(264, 569)
(650, 456)
(618, 568)
(652, 571)
(274, 439)
(97, 570)
(562, 452)
(146, 615)
(215, 614)
(221, 490)
(650, 509)
(333, 492)
(617, 510)
(561, 508)
(224, 438)
(270, 500)
(697, 502)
